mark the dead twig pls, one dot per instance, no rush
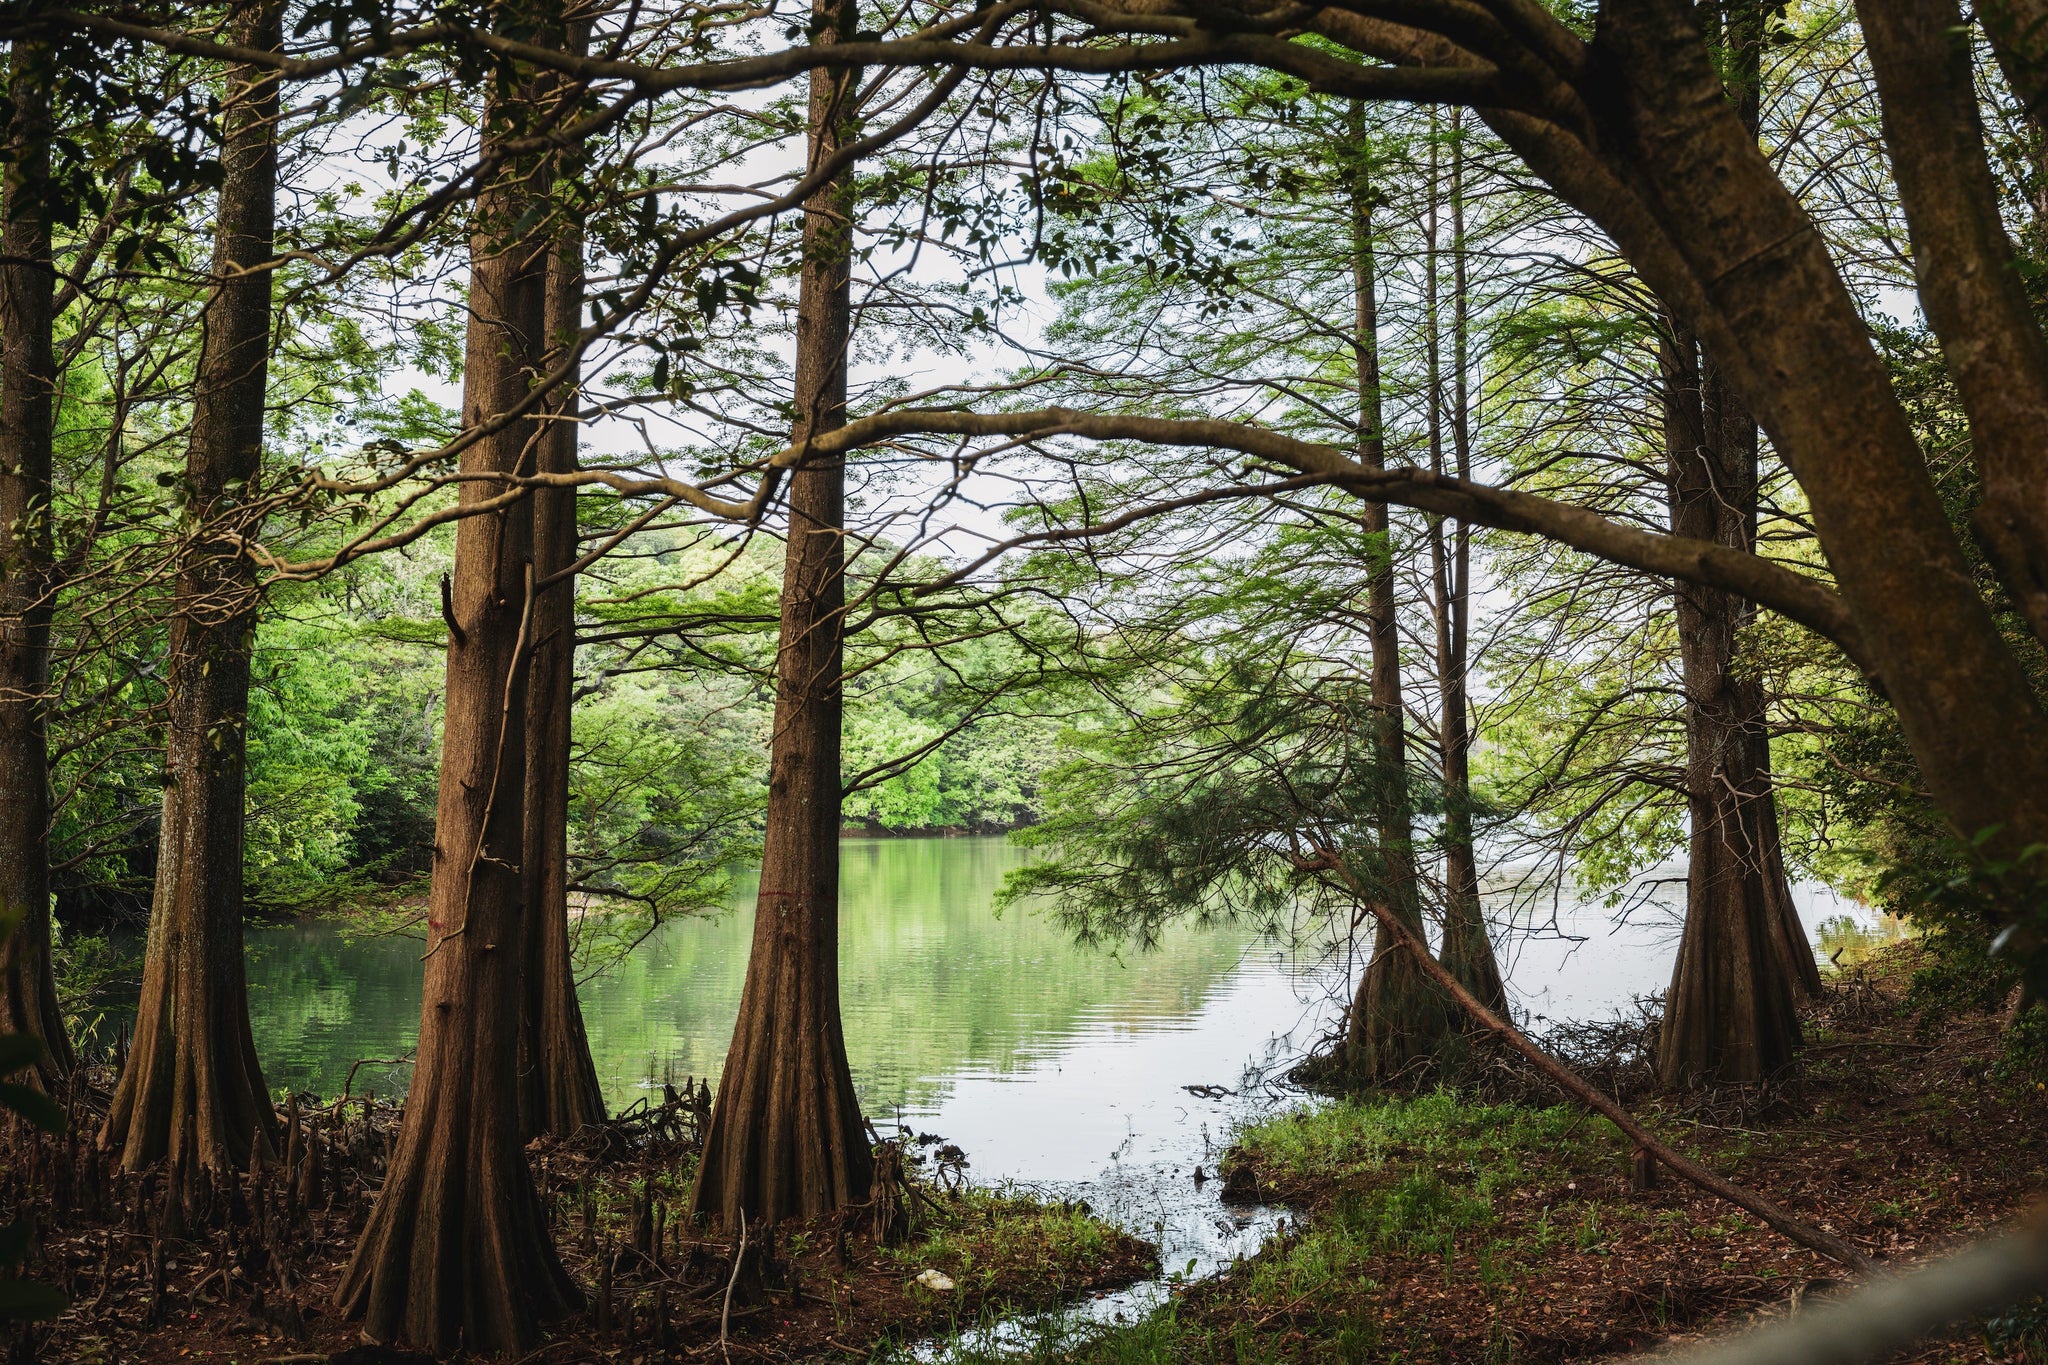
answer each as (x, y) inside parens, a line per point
(725, 1314)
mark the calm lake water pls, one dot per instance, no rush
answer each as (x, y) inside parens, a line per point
(1053, 1066)
(994, 1027)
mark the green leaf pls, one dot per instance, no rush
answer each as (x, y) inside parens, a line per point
(30, 1301)
(33, 1105)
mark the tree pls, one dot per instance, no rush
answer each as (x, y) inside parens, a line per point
(192, 1091)
(558, 1087)
(1398, 1018)
(1730, 1015)
(457, 1253)
(786, 1137)
(1467, 952)
(28, 379)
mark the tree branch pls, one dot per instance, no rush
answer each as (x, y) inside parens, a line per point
(1791, 594)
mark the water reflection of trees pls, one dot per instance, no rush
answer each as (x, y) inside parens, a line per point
(932, 981)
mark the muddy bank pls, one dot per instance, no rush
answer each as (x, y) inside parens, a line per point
(248, 1273)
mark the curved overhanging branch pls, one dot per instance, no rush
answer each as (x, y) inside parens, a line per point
(1789, 593)
(1195, 47)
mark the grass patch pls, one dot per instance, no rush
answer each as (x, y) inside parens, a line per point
(995, 1238)
(1392, 1185)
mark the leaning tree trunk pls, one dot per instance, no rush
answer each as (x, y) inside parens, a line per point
(1399, 1019)
(28, 382)
(558, 1087)
(786, 1137)
(1467, 951)
(192, 1091)
(1730, 1016)
(457, 1254)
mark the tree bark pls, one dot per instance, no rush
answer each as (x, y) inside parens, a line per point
(192, 1091)
(1398, 1020)
(1970, 283)
(1730, 1016)
(787, 1138)
(28, 382)
(457, 1254)
(558, 1087)
(2018, 30)
(1467, 951)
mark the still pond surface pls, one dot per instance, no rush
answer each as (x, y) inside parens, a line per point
(1055, 1066)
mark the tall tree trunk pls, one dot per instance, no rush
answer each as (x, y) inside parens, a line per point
(558, 1087)
(457, 1253)
(1398, 1019)
(1467, 951)
(1730, 1016)
(786, 1137)
(28, 382)
(192, 1091)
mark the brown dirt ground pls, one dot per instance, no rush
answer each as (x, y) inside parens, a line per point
(243, 1295)
(1905, 1139)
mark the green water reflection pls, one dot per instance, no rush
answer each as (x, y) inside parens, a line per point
(933, 985)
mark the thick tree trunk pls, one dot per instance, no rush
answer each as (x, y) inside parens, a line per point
(1730, 1016)
(457, 1252)
(1974, 293)
(1731, 459)
(787, 1138)
(558, 1087)
(192, 1091)
(1467, 951)
(1398, 1019)
(28, 382)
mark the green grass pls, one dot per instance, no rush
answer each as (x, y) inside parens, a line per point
(986, 1237)
(1418, 1178)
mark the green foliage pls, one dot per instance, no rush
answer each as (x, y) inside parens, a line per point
(984, 1239)
(1245, 752)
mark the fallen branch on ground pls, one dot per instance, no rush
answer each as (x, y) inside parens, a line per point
(1827, 1244)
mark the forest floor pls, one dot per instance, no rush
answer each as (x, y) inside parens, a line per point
(1433, 1228)
(259, 1287)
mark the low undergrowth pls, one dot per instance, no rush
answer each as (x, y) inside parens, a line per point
(1440, 1228)
(251, 1277)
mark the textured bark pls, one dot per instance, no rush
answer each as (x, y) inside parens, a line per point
(2018, 30)
(1398, 1019)
(1970, 283)
(558, 1087)
(786, 1137)
(1730, 1016)
(192, 1091)
(28, 380)
(456, 1254)
(1467, 951)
